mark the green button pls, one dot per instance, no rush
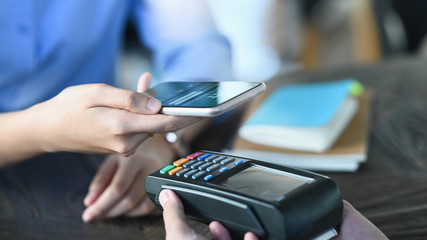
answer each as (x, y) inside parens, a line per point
(167, 169)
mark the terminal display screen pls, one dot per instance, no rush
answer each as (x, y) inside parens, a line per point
(265, 183)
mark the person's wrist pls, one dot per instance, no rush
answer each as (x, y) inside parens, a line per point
(157, 147)
(44, 134)
(31, 131)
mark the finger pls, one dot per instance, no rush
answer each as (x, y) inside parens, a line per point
(108, 96)
(219, 231)
(144, 82)
(174, 217)
(355, 226)
(101, 180)
(145, 207)
(158, 123)
(131, 200)
(250, 236)
(118, 187)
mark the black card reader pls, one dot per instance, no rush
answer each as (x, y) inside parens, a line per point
(246, 195)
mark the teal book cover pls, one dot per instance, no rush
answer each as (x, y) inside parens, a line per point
(307, 116)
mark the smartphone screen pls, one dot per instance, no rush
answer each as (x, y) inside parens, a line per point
(178, 97)
(198, 94)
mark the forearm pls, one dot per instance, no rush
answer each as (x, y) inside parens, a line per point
(20, 139)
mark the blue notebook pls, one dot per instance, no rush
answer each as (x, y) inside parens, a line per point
(308, 117)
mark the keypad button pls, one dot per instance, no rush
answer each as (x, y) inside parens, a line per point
(223, 169)
(182, 172)
(208, 177)
(204, 166)
(198, 175)
(213, 167)
(175, 170)
(194, 155)
(188, 164)
(238, 162)
(218, 160)
(227, 161)
(196, 165)
(179, 162)
(209, 159)
(190, 173)
(203, 157)
(166, 169)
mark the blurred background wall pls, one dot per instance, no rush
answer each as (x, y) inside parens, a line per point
(270, 37)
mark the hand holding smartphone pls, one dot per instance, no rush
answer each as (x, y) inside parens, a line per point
(203, 99)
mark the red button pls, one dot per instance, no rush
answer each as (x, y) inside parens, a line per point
(194, 155)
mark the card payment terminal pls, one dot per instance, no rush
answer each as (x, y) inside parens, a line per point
(246, 195)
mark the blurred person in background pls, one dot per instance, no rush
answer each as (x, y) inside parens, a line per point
(265, 36)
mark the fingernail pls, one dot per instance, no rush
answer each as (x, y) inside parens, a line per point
(89, 198)
(164, 197)
(154, 105)
(87, 217)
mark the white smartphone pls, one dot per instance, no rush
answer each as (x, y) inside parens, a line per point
(203, 99)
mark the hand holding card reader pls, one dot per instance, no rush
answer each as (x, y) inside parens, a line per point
(245, 195)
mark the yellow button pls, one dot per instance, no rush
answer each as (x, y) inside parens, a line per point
(175, 170)
(179, 162)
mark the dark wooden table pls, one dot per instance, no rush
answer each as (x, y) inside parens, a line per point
(43, 198)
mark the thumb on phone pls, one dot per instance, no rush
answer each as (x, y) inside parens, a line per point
(144, 82)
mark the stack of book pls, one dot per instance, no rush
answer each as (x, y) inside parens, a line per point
(315, 126)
